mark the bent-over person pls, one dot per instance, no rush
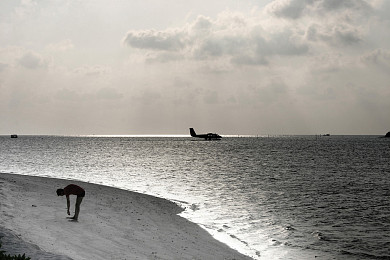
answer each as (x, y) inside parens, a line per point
(73, 189)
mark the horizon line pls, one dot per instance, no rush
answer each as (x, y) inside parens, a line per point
(187, 135)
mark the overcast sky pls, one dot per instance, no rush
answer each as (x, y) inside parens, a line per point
(162, 66)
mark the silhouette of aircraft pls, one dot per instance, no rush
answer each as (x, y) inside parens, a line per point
(209, 136)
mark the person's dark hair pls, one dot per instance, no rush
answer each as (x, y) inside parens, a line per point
(60, 192)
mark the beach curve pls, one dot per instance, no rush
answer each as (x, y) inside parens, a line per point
(113, 224)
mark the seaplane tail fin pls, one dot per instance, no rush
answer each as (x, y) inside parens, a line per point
(192, 132)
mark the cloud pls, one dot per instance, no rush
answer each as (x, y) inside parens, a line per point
(211, 97)
(66, 94)
(101, 94)
(334, 34)
(61, 46)
(156, 40)
(296, 9)
(230, 37)
(285, 28)
(333, 22)
(3, 66)
(292, 9)
(379, 57)
(27, 7)
(108, 94)
(92, 70)
(32, 60)
(337, 5)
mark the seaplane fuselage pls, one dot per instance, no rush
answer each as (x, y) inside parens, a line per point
(208, 136)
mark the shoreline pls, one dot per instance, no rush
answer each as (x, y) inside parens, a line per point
(113, 224)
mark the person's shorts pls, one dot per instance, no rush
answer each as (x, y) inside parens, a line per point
(82, 195)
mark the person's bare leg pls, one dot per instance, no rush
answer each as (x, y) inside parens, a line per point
(77, 208)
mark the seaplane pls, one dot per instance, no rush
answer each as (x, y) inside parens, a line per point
(208, 136)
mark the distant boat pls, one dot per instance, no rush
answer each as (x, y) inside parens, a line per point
(387, 135)
(14, 136)
(209, 136)
(326, 135)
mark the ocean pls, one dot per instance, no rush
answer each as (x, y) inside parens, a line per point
(274, 197)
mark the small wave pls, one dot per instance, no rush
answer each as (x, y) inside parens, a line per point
(318, 235)
(289, 228)
(275, 242)
(364, 255)
(194, 207)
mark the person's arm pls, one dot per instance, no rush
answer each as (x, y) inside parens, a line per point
(68, 203)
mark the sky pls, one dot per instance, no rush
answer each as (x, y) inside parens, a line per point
(79, 67)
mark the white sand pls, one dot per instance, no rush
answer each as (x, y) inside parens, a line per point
(113, 224)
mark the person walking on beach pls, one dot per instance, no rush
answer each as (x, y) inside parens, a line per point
(73, 189)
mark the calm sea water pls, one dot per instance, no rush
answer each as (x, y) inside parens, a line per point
(295, 197)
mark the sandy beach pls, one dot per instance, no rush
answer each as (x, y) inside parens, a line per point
(113, 224)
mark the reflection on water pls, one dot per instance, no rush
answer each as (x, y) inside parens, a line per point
(282, 197)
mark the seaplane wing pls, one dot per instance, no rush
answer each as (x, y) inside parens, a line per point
(208, 136)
